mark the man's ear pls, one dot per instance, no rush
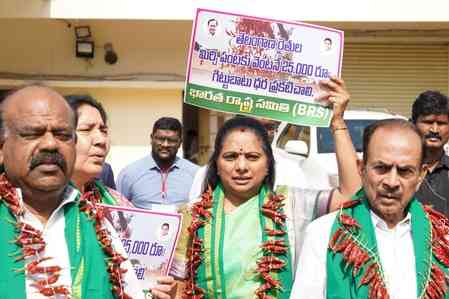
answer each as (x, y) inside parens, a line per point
(360, 166)
(2, 142)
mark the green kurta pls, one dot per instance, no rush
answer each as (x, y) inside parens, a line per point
(232, 246)
(242, 238)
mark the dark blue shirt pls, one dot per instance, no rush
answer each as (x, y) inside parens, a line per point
(107, 176)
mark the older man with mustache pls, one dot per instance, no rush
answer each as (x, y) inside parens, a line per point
(55, 243)
(383, 243)
(430, 113)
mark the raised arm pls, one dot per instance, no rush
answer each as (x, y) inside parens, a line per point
(349, 180)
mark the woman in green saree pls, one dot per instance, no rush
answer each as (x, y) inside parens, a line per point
(241, 239)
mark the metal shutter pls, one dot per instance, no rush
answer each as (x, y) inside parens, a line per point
(388, 75)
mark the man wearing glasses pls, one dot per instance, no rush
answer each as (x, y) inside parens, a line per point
(162, 178)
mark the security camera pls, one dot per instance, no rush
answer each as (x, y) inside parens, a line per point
(110, 56)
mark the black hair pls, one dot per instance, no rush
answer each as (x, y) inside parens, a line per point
(168, 123)
(212, 179)
(328, 39)
(429, 102)
(165, 224)
(75, 101)
(396, 123)
(212, 20)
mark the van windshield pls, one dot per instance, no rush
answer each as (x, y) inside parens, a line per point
(356, 126)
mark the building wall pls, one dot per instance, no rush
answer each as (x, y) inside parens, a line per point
(145, 49)
(25, 9)
(385, 65)
(144, 85)
(391, 75)
(324, 10)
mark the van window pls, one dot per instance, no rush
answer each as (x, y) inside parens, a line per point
(294, 132)
(355, 126)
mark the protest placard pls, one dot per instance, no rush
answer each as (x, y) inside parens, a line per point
(148, 237)
(261, 67)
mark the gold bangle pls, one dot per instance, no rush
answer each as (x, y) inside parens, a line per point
(339, 128)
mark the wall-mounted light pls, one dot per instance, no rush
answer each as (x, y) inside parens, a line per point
(82, 32)
(110, 56)
(85, 49)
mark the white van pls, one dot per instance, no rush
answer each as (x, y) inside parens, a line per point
(313, 147)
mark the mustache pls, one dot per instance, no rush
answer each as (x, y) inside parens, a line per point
(48, 158)
(392, 194)
(432, 135)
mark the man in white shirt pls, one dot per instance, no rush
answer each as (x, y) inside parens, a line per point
(384, 244)
(54, 243)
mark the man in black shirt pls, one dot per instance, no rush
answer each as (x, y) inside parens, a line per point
(430, 113)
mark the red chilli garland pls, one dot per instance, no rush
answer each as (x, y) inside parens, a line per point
(356, 257)
(88, 204)
(200, 215)
(437, 284)
(265, 265)
(33, 245)
(269, 263)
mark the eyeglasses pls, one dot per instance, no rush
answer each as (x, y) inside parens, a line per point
(170, 140)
